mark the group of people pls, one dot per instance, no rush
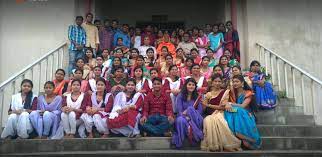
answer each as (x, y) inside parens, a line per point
(184, 84)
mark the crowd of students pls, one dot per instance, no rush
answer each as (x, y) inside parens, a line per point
(186, 84)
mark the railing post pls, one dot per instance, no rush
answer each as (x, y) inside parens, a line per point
(2, 108)
(32, 73)
(294, 85)
(13, 87)
(278, 75)
(46, 69)
(272, 68)
(286, 80)
(260, 54)
(39, 81)
(313, 98)
(52, 67)
(303, 94)
(266, 62)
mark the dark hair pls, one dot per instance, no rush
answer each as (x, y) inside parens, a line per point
(113, 69)
(79, 17)
(193, 65)
(222, 69)
(176, 77)
(134, 81)
(157, 79)
(241, 78)
(49, 83)
(125, 25)
(97, 67)
(28, 100)
(190, 59)
(62, 70)
(205, 57)
(115, 20)
(117, 68)
(177, 50)
(89, 14)
(79, 70)
(154, 69)
(194, 49)
(254, 62)
(99, 56)
(149, 49)
(164, 47)
(252, 104)
(101, 79)
(135, 49)
(168, 55)
(223, 56)
(184, 91)
(141, 57)
(97, 20)
(229, 22)
(236, 66)
(209, 50)
(76, 80)
(86, 58)
(80, 59)
(213, 77)
(138, 67)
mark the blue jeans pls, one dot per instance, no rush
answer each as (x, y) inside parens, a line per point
(156, 125)
(73, 55)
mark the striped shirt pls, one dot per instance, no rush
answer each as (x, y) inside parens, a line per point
(76, 34)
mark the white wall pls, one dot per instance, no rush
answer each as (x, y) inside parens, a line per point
(193, 13)
(30, 29)
(292, 28)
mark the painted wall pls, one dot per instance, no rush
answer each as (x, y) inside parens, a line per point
(193, 13)
(30, 29)
(292, 28)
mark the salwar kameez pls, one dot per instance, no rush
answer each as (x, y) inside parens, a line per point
(19, 124)
(189, 124)
(50, 119)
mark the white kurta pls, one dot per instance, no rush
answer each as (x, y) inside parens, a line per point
(18, 124)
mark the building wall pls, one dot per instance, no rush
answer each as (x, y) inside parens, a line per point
(291, 28)
(30, 29)
(193, 13)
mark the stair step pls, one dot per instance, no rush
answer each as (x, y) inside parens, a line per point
(176, 153)
(294, 110)
(290, 130)
(150, 143)
(286, 102)
(285, 120)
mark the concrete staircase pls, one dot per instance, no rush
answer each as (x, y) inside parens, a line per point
(285, 131)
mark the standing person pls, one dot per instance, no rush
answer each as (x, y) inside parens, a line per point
(124, 35)
(73, 106)
(157, 111)
(125, 115)
(186, 70)
(232, 41)
(239, 115)
(77, 39)
(91, 87)
(21, 105)
(202, 42)
(148, 32)
(146, 45)
(105, 37)
(97, 110)
(115, 26)
(187, 45)
(218, 136)
(92, 39)
(47, 116)
(208, 29)
(179, 60)
(216, 40)
(78, 74)
(142, 83)
(136, 39)
(189, 120)
(264, 92)
(205, 70)
(222, 28)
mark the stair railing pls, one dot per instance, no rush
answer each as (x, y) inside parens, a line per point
(296, 82)
(39, 71)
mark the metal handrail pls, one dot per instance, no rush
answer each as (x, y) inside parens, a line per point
(291, 64)
(3, 84)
